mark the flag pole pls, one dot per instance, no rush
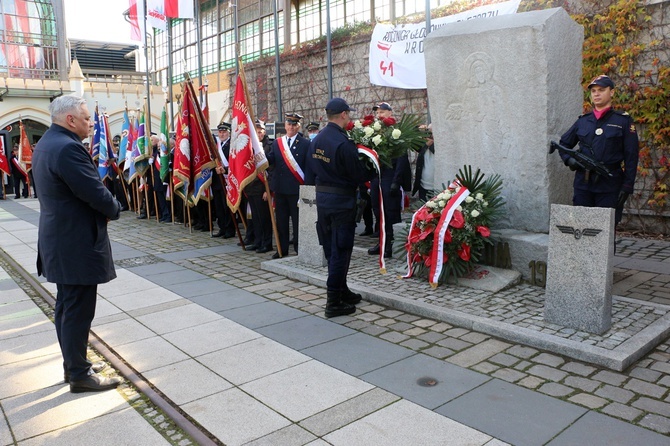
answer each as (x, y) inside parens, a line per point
(264, 174)
(149, 147)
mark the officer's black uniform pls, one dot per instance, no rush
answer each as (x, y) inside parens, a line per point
(333, 166)
(612, 140)
(286, 188)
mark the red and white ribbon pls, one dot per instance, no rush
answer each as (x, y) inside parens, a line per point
(437, 255)
(290, 161)
(371, 154)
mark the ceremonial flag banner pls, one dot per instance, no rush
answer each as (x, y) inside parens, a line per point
(396, 51)
(164, 158)
(179, 9)
(4, 162)
(142, 158)
(193, 160)
(94, 143)
(156, 14)
(103, 152)
(247, 157)
(136, 17)
(25, 151)
(125, 133)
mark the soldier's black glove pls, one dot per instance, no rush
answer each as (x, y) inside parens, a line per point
(623, 196)
(573, 164)
(394, 189)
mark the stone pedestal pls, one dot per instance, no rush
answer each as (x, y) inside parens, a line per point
(310, 251)
(579, 268)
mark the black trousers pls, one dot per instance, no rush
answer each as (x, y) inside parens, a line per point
(336, 229)
(75, 309)
(260, 216)
(286, 207)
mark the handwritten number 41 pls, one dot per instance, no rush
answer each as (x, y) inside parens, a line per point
(385, 68)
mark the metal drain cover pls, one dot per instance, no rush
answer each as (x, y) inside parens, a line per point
(427, 381)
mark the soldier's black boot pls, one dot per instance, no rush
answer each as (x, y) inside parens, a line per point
(335, 306)
(351, 298)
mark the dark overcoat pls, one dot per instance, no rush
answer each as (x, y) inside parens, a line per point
(283, 181)
(73, 246)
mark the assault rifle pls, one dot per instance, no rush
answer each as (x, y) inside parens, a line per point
(583, 161)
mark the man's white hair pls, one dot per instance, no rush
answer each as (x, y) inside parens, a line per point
(63, 105)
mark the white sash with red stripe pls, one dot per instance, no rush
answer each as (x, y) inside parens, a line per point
(372, 155)
(18, 165)
(290, 161)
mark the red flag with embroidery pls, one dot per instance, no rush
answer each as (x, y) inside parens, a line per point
(4, 162)
(247, 157)
(193, 160)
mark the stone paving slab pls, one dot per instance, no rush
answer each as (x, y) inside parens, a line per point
(31, 374)
(127, 427)
(252, 360)
(200, 383)
(512, 413)
(304, 332)
(403, 424)
(305, 389)
(358, 354)
(234, 417)
(54, 407)
(262, 314)
(426, 381)
(514, 314)
(205, 286)
(220, 333)
(227, 300)
(595, 429)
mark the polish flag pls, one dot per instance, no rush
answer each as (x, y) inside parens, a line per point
(179, 8)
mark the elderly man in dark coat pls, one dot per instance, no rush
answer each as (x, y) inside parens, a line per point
(73, 248)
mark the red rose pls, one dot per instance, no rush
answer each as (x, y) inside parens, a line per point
(464, 252)
(388, 122)
(483, 231)
(447, 236)
(457, 221)
(350, 126)
(429, 261)
(367, 121)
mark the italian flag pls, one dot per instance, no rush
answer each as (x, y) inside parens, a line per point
(179, 8)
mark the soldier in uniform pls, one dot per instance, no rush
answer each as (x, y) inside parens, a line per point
(287, 157)
(333, 166)
(608, 136)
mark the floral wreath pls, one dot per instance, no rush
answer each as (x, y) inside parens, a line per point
(448, 233)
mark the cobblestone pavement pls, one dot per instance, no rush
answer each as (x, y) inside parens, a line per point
(640, 395)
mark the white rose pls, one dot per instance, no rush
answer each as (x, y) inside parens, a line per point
(442, 203)
(377, 140)
(368, 131)
(459, 209)
(469, 199)
(395, 134)
(442, 196)
(377, 126)
(475, 213)
(479, 196)
(431, 205)
(486, 203)
(358, 124)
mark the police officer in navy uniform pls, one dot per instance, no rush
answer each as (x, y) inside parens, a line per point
(284, 183)
(608, 136)
(333, 166)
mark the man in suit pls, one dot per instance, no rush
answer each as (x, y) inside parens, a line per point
(73, 248)
(287, 158)
(18, 173)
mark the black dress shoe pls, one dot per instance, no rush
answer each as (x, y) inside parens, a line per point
(375, 234)
(229, 235)
(250, 247)
(366, 232)
(94, 383)
(275, 256)
(142, 216)
(218, 234)
(374, 250)
(96, 367)
(263, 250)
